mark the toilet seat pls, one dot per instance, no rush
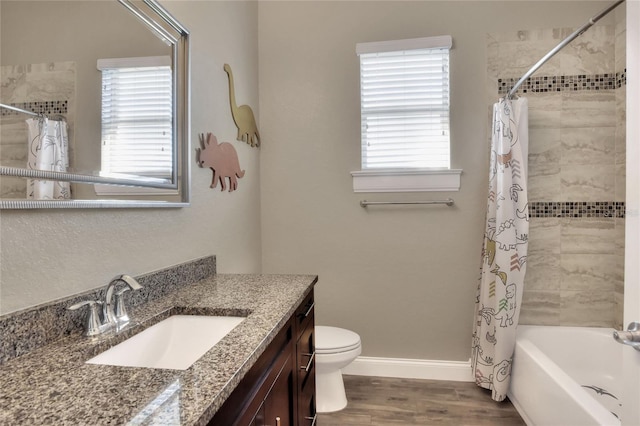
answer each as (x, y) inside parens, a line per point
(330, 340)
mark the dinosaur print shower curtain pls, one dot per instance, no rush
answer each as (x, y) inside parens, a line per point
(49, 151)
(504, 252)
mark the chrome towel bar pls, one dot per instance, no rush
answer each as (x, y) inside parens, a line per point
(365, 203)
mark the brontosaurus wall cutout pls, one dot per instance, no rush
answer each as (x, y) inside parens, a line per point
(222, 159)
(242, 115)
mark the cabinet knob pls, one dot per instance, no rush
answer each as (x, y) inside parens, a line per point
(277, 421)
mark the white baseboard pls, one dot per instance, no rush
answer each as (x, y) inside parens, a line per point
(457, 371)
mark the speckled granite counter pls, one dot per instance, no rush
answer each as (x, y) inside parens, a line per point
(53, 385)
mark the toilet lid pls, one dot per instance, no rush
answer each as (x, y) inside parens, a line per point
(334, 339)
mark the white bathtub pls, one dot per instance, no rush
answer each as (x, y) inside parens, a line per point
(566, 376)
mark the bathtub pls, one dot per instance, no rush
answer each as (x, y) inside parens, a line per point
(566, 376)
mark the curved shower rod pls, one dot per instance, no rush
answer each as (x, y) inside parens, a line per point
(16, 109)
(560, 46)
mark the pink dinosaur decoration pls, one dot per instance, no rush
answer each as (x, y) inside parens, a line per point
(222, 158)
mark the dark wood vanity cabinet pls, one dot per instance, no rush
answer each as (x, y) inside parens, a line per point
(306, 362)
(279, 390)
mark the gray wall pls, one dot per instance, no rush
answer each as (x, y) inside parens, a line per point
(404, 278)
(49, 254)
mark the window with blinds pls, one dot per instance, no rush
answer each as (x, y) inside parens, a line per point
(404, 90)
(137, 116)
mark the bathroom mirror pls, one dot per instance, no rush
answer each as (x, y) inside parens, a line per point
(117, 73)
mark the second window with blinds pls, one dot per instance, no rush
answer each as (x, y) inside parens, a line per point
(404, 95)
(137, 125)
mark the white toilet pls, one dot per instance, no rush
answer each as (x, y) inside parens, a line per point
(335, 349)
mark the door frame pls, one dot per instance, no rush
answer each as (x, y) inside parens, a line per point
(631, 357)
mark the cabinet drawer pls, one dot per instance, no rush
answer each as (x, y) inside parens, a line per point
(306, 355)
(305, 314)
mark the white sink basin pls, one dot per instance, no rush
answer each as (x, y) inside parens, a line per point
(174, 343)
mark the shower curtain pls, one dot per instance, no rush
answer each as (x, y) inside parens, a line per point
(48, 150)
(504, 252)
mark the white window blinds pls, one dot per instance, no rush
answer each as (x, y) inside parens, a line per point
(404, 89)
(137, 116)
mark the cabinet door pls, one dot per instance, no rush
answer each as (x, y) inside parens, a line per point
(247, 405)
(307, 402)
(279, 403)
(258, 419)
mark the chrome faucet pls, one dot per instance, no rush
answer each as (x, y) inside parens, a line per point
(114, 313)
(630, 337)
(110, 319)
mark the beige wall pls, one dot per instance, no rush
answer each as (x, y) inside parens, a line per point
(49, 254)
(404, 278)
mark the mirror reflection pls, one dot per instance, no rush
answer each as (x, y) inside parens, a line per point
(101, 85)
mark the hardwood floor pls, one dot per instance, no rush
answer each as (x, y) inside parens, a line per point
(389, 401)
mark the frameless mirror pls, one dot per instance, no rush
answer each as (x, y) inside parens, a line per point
(94, 99)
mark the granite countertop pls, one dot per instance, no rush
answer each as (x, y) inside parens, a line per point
(53, 385)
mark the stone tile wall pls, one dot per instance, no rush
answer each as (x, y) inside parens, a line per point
(47, 88)
(575, 270)
(620, 159)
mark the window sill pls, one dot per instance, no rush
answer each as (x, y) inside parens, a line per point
(114, 190)
(406, 180)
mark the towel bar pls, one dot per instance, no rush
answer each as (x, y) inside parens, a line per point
(365, 203)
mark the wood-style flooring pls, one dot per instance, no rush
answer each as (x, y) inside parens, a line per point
(390, 401)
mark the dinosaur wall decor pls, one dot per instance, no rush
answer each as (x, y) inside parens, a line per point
(222, 159)
(242, 115)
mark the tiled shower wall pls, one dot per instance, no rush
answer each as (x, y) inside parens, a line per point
(576, 181)
(47, 88)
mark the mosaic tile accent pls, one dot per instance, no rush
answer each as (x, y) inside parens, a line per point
(39, 107)
(565, 83)
(577, 209)
(621, 78)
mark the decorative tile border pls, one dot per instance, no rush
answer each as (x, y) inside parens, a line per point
(577, 209)
(39, 107)
(565, 83)
(621, 78)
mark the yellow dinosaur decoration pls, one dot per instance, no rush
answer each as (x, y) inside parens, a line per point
(242, 115)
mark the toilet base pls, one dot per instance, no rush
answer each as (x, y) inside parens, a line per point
(330, 394)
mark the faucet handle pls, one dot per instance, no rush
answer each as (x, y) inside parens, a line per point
(93, 324)
(120, 292)
(129, 280)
